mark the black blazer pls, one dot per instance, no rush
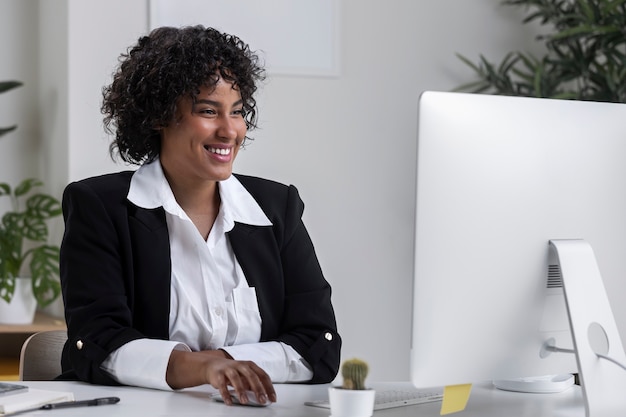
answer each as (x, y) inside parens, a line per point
(115, 275)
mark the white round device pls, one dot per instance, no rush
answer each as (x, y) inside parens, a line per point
(538, 384)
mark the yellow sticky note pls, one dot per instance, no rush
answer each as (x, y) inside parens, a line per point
(455, 398)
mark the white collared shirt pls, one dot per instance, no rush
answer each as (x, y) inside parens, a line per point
(211, 304)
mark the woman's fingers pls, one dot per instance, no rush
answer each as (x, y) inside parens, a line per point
(244, 377)
(247, 378)
(261, 385)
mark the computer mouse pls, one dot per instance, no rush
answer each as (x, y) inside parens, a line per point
(252, 401)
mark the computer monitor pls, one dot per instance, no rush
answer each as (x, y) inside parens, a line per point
(498, 179)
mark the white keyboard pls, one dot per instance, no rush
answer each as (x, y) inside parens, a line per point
(390, 398)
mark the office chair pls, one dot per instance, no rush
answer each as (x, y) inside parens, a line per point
(40, 358)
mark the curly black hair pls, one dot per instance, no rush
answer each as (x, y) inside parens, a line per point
(164, 66)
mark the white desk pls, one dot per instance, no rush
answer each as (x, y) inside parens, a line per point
(484, 402)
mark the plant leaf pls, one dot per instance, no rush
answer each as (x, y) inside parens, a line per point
(44, 267)
(5, 189)
(9, 85)
(25, 186)
(5, 130)
(11, 244)
(7, 287)
(11, 240)
(469, 63)
(42, 206)
(34, 228)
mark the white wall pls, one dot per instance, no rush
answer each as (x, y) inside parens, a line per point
(19, 149)
(81, 41)
(348, 143)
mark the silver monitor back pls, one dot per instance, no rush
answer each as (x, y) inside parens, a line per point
(497, 178)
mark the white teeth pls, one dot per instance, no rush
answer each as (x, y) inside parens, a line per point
(219, 151)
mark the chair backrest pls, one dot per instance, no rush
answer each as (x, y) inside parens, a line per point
(40, 358)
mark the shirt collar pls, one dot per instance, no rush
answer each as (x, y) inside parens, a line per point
(149, 189)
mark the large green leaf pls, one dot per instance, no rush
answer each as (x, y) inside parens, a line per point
(11, 235)
(9, 85)
(34, 228)
(44, 267)
(25, 186)
(5, 130)
(43, 206)
(6, 86)
(7, 288)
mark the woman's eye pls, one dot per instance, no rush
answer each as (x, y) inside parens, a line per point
(240, 112)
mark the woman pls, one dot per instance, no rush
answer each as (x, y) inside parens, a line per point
(181, 274)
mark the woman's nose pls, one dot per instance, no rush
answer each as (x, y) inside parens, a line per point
(227, 128)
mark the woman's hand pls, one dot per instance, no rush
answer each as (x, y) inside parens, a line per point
(217, 368)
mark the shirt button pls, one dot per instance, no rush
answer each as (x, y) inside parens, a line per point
(79, 345)
(218, 311)
(328, 336)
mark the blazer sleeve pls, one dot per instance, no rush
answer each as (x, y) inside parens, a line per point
(294, 297)
(93, 285)
(309, 321)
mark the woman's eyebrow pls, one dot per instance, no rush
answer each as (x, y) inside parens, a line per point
(216, 103)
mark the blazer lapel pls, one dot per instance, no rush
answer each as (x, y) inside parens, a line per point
(152, 271)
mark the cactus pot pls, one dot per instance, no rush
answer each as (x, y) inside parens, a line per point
(351, 403)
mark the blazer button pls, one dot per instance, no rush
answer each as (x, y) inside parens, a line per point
(79, 345)
(328, 336)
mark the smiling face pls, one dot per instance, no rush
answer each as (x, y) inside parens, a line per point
(201, 143)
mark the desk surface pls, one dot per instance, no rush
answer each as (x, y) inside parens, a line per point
(485, 401)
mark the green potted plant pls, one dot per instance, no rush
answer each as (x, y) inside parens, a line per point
(24, 252)
(585, 55)
(352, 398)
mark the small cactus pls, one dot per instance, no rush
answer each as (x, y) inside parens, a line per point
(354, 372)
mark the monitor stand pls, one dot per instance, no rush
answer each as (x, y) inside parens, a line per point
(545, 384)
(593, 329)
